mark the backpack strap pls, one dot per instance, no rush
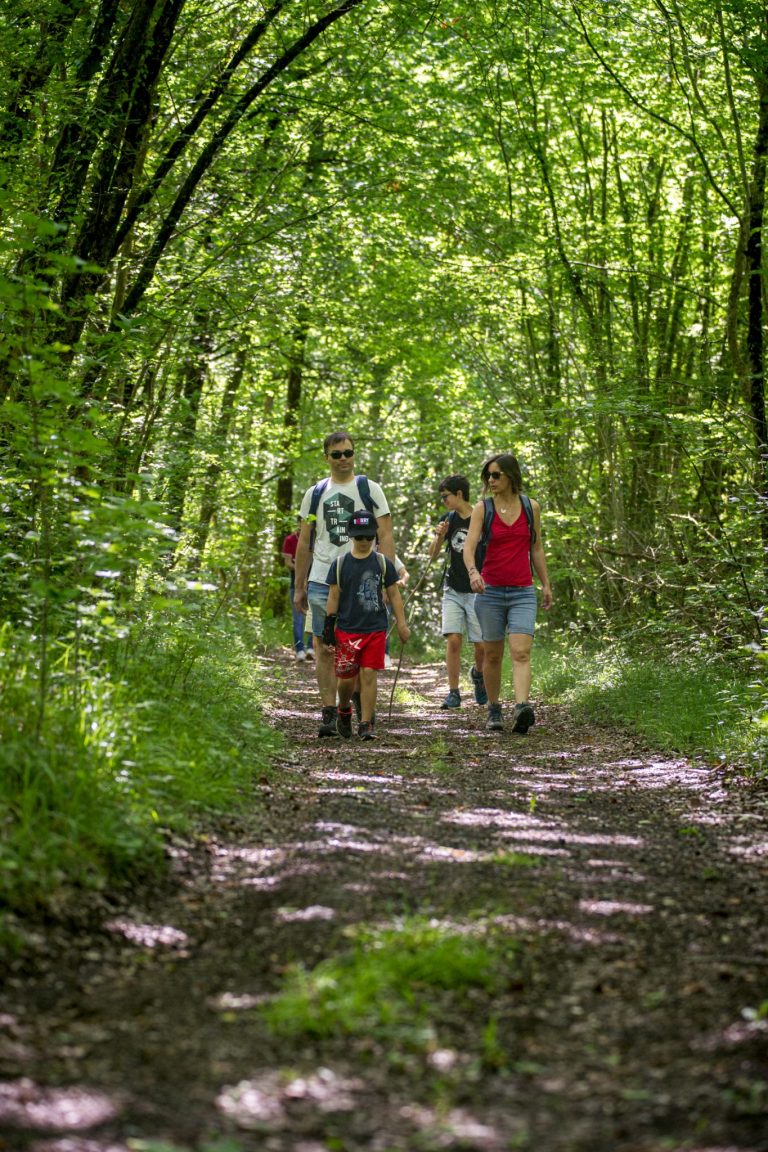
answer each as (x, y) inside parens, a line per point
(314, 504)
(528, 509)
(340, 564)
(488, 511)
(364, 489)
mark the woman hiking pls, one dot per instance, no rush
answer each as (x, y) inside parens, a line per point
(508, 523)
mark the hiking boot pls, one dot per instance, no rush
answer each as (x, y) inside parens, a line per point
(365, 731)
(344, 723)
(523, 718)
(494, 723)
(452, 700)
(357, 706)
(328, 722)
(481, 696)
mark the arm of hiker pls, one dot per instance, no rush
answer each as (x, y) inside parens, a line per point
(303, 561)
(539, 559)
(288, 559)
(438, 538)
(396, 600)
(331, 609)
(476, 582)
(386, 542)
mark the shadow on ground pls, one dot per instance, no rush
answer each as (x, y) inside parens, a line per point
(625, 894)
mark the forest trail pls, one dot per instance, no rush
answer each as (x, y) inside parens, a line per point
(627, 891)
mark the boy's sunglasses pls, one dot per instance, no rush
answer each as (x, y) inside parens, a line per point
(344, 452)
(494, 475)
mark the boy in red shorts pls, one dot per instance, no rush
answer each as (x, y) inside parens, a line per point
(356, 620)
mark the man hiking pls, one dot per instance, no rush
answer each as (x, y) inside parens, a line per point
(325, 512)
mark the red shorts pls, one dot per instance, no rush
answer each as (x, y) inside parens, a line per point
(356, 650)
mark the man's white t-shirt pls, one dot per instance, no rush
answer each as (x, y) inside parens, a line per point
(337, 504)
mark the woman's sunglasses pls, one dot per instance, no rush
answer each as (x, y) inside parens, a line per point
(494, 475)
(344, 452)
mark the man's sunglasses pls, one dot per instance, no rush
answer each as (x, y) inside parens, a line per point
(344, 452)
(494, 475)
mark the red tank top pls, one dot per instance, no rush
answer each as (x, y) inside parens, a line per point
(508, 556)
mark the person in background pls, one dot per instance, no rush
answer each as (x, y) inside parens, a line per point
(288, 552)
(506, 597)
(458, 609)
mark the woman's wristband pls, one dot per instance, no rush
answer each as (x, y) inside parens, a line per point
(472, 569)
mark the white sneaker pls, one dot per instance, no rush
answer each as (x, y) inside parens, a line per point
(309, 654)
(301, 655)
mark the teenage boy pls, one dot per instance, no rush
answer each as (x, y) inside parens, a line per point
(458, 611)
(356, 621)
(342, 494)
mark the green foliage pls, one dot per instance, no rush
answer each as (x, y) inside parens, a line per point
(164, 730)
(686, 704)
(390, 985)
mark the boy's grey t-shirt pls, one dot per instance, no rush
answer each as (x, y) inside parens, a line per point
(336, 506)
(361, 602)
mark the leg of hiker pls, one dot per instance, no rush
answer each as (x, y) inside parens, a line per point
(368, 678)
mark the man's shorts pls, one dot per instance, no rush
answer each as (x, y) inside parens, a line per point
(317, 595)
(459, 615)
(356, 650)
(506, 609)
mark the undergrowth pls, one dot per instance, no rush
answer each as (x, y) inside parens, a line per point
(697, 705)
(163, 731)
(392, 983)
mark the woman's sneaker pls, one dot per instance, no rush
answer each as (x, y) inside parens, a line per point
(481, 696)
(523, 718)
(328, 722)
(365, 731)
(344, 723)
(452, 700)
(494, 723)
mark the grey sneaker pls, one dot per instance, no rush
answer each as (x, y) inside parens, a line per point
(344, 723)
(452, 700)
(365, 731)
(523, 718)
(481, 696)
(494, 723)
(328, 722)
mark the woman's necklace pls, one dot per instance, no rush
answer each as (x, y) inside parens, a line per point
(502, 511)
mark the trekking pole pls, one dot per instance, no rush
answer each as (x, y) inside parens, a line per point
(406, 601)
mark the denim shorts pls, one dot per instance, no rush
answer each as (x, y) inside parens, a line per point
(506, 609)
(317, 595)
(459, 615)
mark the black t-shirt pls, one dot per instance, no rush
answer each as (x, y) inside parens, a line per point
(361, 603)
(456, 575)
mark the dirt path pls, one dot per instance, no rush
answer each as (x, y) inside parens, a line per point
(626, 893)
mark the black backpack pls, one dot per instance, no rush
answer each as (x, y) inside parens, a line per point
(363, 487)
(488, 510)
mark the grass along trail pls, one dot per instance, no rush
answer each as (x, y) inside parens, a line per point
(444, 939)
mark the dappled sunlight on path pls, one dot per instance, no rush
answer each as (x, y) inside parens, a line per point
(617, 898)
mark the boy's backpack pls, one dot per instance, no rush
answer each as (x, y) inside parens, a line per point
(340, 566)
(488, 510)
(364, 489)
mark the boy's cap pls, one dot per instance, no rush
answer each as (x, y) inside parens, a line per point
(361, 524)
